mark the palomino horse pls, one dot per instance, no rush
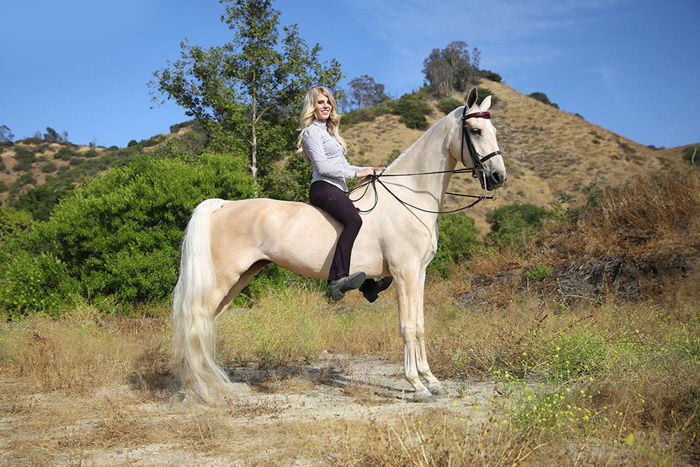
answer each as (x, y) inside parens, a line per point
(227, 243)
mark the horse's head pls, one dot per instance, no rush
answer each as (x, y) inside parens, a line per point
(477, 147)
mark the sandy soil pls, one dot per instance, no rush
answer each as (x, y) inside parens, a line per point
(285, 416)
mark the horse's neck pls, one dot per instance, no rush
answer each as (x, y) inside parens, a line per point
(428, 154)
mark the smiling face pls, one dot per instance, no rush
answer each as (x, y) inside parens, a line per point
(322, 107)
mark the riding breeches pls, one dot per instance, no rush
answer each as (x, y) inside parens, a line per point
(335, 202)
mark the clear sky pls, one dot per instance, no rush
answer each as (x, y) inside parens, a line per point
(632, 66)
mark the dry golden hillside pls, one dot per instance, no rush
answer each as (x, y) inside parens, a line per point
(547, 151)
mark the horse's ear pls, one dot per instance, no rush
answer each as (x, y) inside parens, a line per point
(485, 104)
(472, 97)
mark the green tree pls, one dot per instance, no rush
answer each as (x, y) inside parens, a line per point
(412, 110)
(6, 135)
(364, 92)
(243, 91)
(451, 68)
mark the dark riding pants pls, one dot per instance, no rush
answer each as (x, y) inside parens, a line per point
(335, 202)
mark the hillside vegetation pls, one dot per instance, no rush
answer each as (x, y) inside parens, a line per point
(550, 154)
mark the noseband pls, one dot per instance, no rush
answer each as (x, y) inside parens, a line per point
(477, 161)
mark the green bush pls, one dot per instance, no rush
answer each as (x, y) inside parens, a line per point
(458, 239)
(36, 284)
(490, 75)
(120, 234)
(40, 200)
(690, 155)
(291, 182)
(515, 224)
(412, 110)
(48, 167)
(448, 104)
(65, 154)
(25, 158)
(392, 157)
(539, 273)
(542, 97)
(484, 93)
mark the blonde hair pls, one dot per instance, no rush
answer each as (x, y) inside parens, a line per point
(307, 116)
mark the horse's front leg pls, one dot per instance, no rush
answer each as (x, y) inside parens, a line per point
(434, 385)
(408, 290)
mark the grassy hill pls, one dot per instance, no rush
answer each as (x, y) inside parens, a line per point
(548, 152)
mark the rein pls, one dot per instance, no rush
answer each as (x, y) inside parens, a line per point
(476, 170)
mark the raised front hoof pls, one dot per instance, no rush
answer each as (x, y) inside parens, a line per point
(437, 390)
(423, 396)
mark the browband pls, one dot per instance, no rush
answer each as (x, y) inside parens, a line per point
(477, 115)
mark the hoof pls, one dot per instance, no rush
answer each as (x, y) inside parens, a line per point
(423, 396)
(437, 390)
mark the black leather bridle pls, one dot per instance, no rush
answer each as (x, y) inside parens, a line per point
(477, 161)
(477, 171)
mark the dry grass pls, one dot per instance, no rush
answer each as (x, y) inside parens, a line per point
(609, 382)
(547, 152)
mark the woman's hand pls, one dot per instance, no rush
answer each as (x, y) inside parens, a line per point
(369, 171)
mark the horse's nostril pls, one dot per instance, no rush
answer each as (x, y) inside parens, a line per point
(498, 177)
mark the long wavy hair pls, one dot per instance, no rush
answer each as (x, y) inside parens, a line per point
(307, 116)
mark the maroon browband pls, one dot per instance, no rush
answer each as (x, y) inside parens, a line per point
(478, 115)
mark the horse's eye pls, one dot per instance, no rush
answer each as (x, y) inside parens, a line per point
(475, 131)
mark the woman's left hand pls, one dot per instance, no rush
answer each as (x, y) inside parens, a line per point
(369, 171)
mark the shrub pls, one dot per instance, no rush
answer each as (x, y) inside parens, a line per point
(542, 97)
(40, 201)
(290, 182)
(392, 156)
(490, 75)
(412, 111)
(515, 224)
(25, 158)
(539, 273)
(65, 154)
(48, 167)
(120, 234)
(457, 240)
(484, 93)
(35, 284)
(690, 155)
(448, 104)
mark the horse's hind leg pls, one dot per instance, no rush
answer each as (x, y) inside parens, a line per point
(228, 292)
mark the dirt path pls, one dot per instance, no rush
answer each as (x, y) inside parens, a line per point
(285, 416)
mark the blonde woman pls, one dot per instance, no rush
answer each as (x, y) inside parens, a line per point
(320, 140)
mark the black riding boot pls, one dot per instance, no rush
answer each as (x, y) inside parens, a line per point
(371, 288)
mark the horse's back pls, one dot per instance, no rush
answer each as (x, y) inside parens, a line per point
(295, 235)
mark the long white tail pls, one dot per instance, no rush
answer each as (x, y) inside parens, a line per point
(194, 332)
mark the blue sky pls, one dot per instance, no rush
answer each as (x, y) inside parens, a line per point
(631, 66)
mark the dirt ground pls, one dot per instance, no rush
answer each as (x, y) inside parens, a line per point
(302, 415)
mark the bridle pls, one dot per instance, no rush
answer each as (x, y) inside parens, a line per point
(477, 171)
(477, 161)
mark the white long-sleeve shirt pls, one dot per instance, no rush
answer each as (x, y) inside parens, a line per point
(327, 156)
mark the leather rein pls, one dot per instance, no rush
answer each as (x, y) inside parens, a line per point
(477, 171)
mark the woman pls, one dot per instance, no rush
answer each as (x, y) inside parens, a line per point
(320, 140)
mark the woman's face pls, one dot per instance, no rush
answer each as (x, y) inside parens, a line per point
(322, 109)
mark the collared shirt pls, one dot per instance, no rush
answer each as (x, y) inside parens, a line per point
(327, 156)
